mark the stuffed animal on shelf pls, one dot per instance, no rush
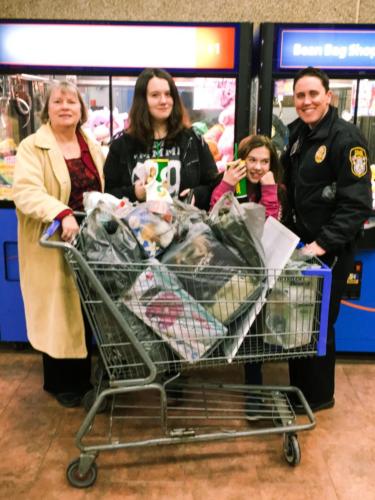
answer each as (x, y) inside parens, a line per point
(226, 141)
(98, 124)
(220, 137)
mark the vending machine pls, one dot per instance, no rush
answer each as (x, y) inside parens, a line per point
(347, 54)
(210, 62)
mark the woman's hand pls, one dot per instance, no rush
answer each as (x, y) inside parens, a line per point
(235, 171)
(140, 190)
(69, 228)
(190, 198)
(313, 249)
(268, 179)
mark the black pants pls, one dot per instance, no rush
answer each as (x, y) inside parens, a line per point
(254, 344)
(315, 376)
(253, 373)
(69, 375)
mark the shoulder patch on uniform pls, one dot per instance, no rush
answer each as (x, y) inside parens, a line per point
(358, 161)
(320, 154)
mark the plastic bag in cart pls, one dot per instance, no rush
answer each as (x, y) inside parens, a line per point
(92, 199)
(216, 248)
(158, 298)
(105, 239)
(121, 355)
(152, 224)
(240, 226)
(110, 248)
(289, 316)
(214, 276)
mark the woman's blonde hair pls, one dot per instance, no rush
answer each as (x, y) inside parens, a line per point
(65, 86)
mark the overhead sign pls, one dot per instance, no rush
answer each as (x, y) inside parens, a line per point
(103, 45)
(340, 49)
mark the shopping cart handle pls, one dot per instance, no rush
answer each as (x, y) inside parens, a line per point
(48, 233)
(51, 229)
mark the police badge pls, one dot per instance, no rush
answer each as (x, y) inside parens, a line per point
(320, 154)
(358, 161)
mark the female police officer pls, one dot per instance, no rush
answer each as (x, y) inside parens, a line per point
(329, 193)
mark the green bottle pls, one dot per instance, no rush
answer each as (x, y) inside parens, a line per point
(240, 190)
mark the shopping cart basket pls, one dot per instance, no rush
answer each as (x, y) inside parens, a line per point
(152, 325)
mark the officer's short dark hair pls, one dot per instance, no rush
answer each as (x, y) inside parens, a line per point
(310, 71)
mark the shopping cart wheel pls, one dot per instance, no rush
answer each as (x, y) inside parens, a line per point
(81, 480)
(292, 450)
(89, 399)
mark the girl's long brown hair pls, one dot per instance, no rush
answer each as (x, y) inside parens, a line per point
(257, 141)
(140, 121)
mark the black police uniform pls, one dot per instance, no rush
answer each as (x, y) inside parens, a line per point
(328, 184)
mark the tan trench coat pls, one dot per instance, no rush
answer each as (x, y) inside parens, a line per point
(41, 190)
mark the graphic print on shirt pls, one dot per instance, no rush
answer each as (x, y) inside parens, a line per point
(171, 172)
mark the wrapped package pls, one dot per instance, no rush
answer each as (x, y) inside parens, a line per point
(158, 298)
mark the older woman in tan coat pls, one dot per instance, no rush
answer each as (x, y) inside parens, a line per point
(54, 167)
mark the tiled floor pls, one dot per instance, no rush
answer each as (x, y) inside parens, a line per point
(37, 443)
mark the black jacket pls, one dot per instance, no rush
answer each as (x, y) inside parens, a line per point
(198, 168)
(327, 177)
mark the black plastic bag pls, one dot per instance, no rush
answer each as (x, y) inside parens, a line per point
(212, 272)
(240, 226)
(104, 239)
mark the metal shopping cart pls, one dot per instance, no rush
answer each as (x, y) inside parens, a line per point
(155, 323)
